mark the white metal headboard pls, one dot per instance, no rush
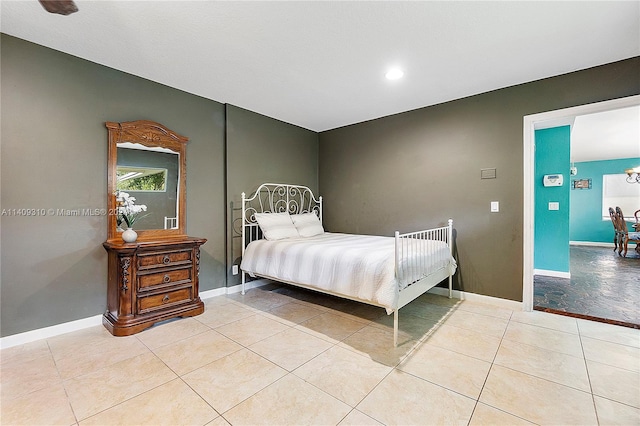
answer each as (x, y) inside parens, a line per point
(275, 198)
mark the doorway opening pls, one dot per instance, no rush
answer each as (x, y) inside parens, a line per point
(531, 124)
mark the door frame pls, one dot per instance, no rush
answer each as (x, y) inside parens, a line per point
(544, 120)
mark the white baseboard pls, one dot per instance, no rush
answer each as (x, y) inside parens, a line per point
(248, 286)
(479, 298)
(591, 244)
(55, 330)
(213, 293)
(548, 273)
(51, 331)
(233, 289)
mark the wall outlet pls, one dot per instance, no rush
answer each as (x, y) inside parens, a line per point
(554, 205)
(234, 269)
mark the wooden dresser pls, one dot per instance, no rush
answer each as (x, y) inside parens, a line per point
(151, 281)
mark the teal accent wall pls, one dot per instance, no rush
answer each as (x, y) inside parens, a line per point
(553, 150)
(585, 219)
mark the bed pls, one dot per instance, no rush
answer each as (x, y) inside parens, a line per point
(283, 239)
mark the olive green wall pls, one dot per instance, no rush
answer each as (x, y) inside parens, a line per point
(415, 170)
(407, 171)
(54, 156)
(261, 149)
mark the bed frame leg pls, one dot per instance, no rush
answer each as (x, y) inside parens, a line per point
(450, 242)
(395, 328)
(243, 283)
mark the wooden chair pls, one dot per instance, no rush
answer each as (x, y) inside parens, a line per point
(626, 237)
(616, 231)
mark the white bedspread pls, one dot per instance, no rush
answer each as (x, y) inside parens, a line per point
(357, 266)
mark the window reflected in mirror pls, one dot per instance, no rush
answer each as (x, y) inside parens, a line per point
(141, 179)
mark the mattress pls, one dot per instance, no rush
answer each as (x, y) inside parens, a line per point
(356, 266)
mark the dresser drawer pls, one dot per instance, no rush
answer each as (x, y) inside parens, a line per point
(165, 258)
(165, 277)
(151, 281)
(163, 300)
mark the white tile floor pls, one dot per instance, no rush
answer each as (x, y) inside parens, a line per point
(284, 356)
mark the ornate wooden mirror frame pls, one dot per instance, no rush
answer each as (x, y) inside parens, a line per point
(153, 135)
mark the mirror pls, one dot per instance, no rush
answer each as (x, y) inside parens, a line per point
(151, 177)
(147, 161)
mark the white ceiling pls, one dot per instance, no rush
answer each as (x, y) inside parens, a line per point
(321, 65)
(606, 135)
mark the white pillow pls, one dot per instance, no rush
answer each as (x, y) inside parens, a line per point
(307, 224)
(276, 226)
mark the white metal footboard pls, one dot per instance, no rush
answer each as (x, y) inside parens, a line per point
(422, 260)
(416, 255)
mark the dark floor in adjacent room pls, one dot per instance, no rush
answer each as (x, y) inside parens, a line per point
(603, 286)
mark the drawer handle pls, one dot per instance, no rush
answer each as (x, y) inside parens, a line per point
(166, 279)
(165, 299)
(166, 259)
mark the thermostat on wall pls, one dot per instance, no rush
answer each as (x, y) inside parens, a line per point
(552, 180)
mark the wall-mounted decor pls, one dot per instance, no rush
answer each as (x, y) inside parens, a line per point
(581, 184)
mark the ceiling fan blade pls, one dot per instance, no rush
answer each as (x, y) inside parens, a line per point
(62, 7)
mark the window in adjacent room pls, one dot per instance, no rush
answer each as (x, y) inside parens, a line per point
(617, 192)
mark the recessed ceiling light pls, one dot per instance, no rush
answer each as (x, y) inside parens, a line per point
(394, 74)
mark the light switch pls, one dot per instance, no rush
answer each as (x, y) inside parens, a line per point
(554, 205)
(495, 206)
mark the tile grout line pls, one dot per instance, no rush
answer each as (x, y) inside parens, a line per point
(475, 406)
(292, 372)
(586, 367)
(557, 383)
(75, 416)
(177, 376)
(201, 397)
(243, 347)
